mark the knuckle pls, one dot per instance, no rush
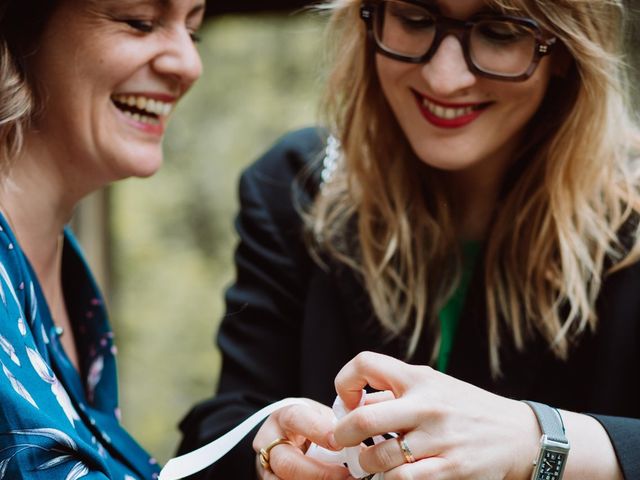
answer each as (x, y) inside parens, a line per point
(400, 474)
(330, 474)
(363, 360)
(288, 417)
(283, 465)
(377, 459)
(460, 468)
(317, 428)
(364, 421)
(423, 371)
(285, 417)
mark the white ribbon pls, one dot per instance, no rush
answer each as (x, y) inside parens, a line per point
(199, 459)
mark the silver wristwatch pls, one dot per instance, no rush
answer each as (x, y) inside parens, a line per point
(554, 446)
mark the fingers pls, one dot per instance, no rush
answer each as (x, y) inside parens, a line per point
(377, 419)
(388, 454)
(289, 463)
(379, 371)
(433, 468)
(300, 424)
(313, 424)
(377, 397)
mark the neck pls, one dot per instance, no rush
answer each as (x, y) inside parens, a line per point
(36, 204)
(474, 197)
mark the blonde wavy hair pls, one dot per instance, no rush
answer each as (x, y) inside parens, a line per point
(567, 220)
(15, 107)
(21, 25)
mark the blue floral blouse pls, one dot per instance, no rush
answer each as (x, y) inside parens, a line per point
(54, 422)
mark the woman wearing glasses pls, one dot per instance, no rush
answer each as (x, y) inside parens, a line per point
(471, 208)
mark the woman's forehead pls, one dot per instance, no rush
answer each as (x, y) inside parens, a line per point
(466, 8)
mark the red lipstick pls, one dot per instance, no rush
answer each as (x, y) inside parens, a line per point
(428, 108)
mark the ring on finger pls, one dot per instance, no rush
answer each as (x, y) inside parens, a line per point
(406, 451)
(265, 453)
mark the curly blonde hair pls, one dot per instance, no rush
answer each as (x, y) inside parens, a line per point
(21, 25)
(566, 222)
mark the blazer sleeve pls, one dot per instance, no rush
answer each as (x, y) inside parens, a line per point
(260, 334)
(625, 437)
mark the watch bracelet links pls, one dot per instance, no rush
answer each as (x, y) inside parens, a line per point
(550, 421)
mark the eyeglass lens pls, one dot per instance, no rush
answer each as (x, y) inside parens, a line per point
(500, 47)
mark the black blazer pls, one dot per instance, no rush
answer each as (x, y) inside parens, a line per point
(290, 326)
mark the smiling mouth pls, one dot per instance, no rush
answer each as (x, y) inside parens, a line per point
(142, 109)
(451, 113)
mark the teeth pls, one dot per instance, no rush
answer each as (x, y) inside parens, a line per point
(162, 109)
(444, 112)
(142, 118)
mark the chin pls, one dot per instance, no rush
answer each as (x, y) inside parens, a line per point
(141, 164)
(146, 170)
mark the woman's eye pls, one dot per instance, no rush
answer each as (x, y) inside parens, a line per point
(412, 18)
(501, 32)
(140, 25)
(418, 22)
(195, 37)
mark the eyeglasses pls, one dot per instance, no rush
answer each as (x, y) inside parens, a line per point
(500, 47)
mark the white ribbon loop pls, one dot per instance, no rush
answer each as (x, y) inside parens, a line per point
(193, 462)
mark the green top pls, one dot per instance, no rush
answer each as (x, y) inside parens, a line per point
(450, 313)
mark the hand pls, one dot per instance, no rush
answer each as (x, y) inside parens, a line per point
(453, 429)
(301, 424)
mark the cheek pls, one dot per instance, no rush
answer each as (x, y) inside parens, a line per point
(392, 75)
(523, 100)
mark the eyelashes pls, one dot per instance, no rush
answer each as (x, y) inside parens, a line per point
(140, 25)
(146, 26)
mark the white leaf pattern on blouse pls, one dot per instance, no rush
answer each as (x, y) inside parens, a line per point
(52, 433)
(43, 332)
(18, 387)
(63, 448)
(9, 350)
(3, 466)
(22, 327)
(40, 366)
(95, 375)
(79, 470)
(55, 462)
(7, 281)
(47, 375)
(4, 299)
(34, 303)
(129, 477)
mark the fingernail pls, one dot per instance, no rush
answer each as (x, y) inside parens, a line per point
(333, 443)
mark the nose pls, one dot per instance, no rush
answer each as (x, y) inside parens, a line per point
(179, 58)
(447, 71)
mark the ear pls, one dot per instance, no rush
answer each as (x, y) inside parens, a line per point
(561, 61)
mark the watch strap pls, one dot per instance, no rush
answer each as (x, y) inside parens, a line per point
(550, 421)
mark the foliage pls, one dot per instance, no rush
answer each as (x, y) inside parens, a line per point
(172, 234)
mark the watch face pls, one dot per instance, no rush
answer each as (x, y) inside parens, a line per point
(551, 465)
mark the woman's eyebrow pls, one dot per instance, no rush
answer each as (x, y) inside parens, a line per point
(429, 3)
(163, 5)
(197, 9)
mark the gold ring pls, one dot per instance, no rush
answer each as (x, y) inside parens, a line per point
(265, 453)
(406, 451)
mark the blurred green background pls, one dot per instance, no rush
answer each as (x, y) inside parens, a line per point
(172, 234)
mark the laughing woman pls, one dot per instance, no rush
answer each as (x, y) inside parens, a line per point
(86, 87)
(473, 220)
